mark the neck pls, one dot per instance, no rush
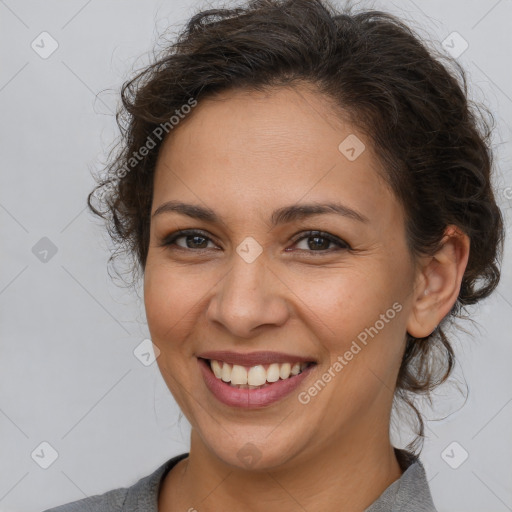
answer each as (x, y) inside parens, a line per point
(348, 474)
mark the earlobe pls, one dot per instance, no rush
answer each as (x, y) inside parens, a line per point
(438, 283)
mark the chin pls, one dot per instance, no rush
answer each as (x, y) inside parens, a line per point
(253, 449)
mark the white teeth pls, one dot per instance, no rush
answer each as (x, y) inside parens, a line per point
(226, 372)
(217, 369)
(273, 373)
(238, 375)
(284, 371)
(257, 375)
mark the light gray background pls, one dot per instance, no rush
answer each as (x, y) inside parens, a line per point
(68, 375)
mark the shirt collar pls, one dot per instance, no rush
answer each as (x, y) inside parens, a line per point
(409, 492)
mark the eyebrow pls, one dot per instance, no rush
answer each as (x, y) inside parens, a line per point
(282, 215)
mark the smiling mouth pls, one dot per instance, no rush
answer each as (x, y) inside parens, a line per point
(255, 377)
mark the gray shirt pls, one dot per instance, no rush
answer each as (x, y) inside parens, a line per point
(410, 493)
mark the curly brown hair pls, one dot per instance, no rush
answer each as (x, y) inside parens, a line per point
(411, 101)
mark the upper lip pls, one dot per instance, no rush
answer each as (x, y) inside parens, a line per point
(253, 358)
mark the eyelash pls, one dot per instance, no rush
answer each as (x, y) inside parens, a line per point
(170, 240)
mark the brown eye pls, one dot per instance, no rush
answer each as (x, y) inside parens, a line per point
(318, 241)
(313, 241)
(192, 240)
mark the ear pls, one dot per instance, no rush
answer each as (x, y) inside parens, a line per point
(438, 283)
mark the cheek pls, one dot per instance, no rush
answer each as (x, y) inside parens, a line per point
(359, 314)
(348, 300)
(361, 328)
(169, 300)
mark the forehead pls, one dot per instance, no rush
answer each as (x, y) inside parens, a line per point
(249, 150)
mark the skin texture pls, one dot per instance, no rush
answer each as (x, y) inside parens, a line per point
(245, 154)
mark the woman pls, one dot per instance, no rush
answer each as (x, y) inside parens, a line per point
(307, 196)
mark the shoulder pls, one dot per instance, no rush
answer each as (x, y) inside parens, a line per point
(112, 501)
(141, 496)
(410, 492)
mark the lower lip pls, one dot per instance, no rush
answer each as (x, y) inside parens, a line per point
(250, 398)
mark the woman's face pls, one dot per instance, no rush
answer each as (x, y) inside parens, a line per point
(253, 288)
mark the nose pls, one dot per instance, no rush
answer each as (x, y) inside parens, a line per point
(249, 296)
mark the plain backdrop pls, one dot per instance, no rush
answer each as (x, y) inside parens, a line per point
(73, 396)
